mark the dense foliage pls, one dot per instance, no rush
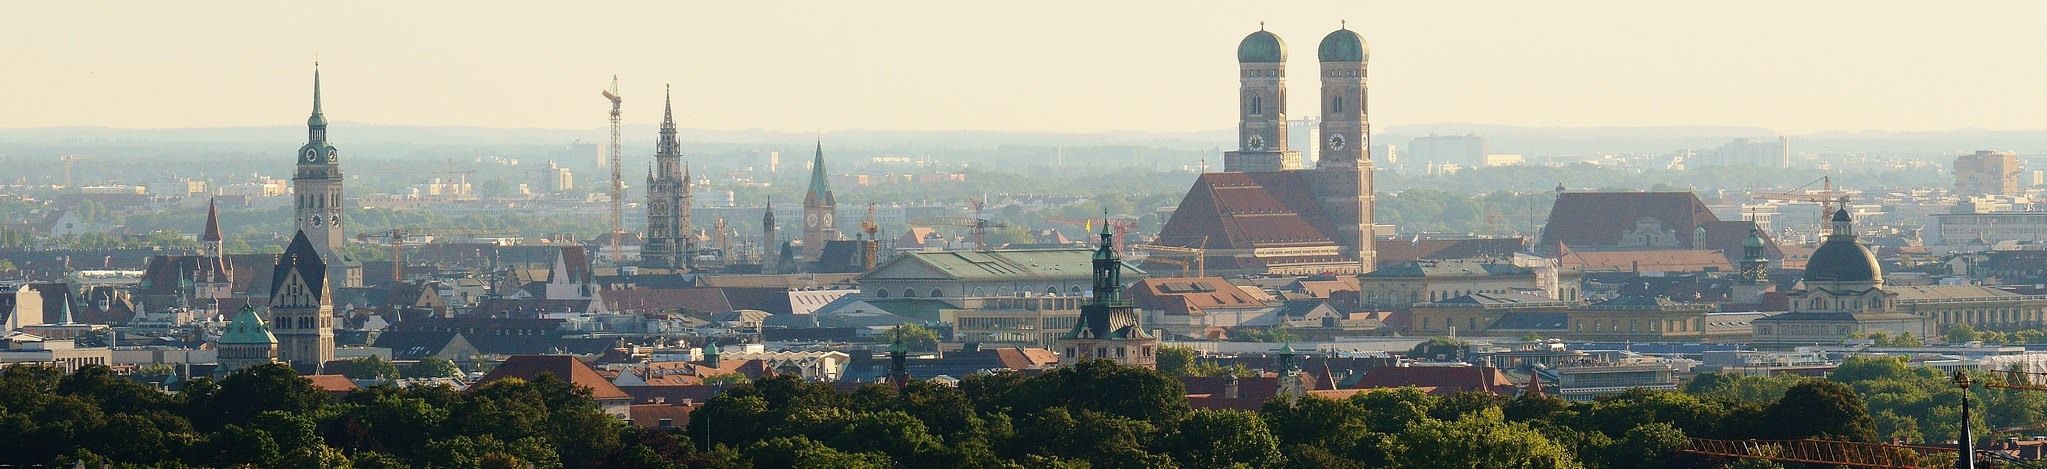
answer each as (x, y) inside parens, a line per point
(1095, 414)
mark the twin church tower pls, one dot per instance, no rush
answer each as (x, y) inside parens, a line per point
(1267, 213)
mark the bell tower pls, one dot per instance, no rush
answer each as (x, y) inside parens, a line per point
(1261, 107)
(316, 193)
(819, 207)
(1343, 176)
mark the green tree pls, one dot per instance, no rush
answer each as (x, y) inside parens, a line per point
(371, 367)
(431, 367)
(249, 392)
(1481, 440)
(1820, 409)
(1223, 438)
(917, 338)
(1648, 446)
(800, 452)
(1172, 361)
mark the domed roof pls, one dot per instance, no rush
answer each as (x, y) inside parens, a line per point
(1261, 47)
(1841, 259)
(1754, 240)
(1343, 46)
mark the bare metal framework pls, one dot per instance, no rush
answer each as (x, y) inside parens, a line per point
(617, 180)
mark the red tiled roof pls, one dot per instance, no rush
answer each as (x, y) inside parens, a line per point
(564, 367)
(650, 415)
(333, 383)
(1392, 251)
(1445, 379)
(1599, 218)
(705, 300)
(1025, 358)
(1190, 295)
(694, 373)
(1677, 260)
(1248, 210)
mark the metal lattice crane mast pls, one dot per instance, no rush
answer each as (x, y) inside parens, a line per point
(69, 183)
(617, 181)
(869, 248)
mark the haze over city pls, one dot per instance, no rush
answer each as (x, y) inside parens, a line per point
(1574, 235)
(1792, 67)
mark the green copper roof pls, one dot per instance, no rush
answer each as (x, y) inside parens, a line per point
(319, 118)
(1261, 47)
(247, 328)
(820, 190)
(1343, 46)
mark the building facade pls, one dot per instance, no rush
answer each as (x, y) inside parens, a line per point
(670, 241)
(246, 342)
(1109, 327)
(302, 307)
(1261, 107)
(1987, 173)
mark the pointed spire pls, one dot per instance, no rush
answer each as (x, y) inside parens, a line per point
(820, 193)
(64, 317)
(212, 232)
(667, 108)
(319, 118)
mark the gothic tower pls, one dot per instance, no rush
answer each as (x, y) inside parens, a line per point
(316, 189)
(1343, 176)
(769, 245)
(818, 210)
(301, 309)
(1261, 107)
(670, 243)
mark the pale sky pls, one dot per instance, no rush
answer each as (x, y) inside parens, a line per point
(1086, 66)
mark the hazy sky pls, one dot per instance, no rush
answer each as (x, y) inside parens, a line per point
(1084, 66)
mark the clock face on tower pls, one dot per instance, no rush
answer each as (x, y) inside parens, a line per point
(811, 220)
(1336, 142)
(312, 154)
(1257, 142)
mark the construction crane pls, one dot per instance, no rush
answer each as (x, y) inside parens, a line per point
(980, 226)
(70, 183)
(1828, 198)
(872, 245)
(1120, 226)
(1197, 256)
(1855, 454)
(398, 238)
(619, 183)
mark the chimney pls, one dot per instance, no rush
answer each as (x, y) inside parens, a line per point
(660, 400)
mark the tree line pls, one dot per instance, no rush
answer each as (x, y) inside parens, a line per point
(1094, 414)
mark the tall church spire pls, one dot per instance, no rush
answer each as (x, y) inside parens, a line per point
(319, 119)
(820, 189)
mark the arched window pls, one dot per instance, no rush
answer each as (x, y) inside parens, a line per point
(881, 293)
(1257, 105)
(1336, 104)
(909, 293)
(935, 293)
(1052, 290)
(1073, 289)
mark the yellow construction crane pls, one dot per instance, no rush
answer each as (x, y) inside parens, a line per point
(617, 180)
(70, 183)
(1196, 257)
(398, 238)
(871, 228)
(1828, 198)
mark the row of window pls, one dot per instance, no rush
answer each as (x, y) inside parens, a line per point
(978, 291)
(1103, 352)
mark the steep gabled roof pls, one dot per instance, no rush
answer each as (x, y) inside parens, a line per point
(563, 367)
(300, 257)
(1249, 210)
(212, 231)
(1599, 218)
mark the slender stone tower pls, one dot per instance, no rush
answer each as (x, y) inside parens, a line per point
(1261, 107)
(316, 188)
(670, 243)
(1343, 176)
(819, 210)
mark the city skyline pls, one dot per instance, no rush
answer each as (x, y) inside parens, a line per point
(1799, 68)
